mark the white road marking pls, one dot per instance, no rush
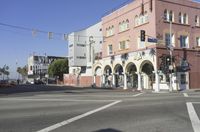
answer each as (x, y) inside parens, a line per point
(67, 100)
(193, 117)
(196, 102)
(137, 94)
(55, 126)
(185, 95)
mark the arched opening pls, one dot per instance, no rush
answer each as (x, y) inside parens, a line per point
(132, 77)
(148, 77)
(119, 76)
(97, 77)
(107, 76)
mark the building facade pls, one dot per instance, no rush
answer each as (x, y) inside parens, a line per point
(169, 26)
(84, 47)
(38, 66)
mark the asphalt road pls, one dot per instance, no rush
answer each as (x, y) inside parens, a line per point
(31, 108)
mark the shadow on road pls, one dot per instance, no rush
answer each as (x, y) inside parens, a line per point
(46, 88)
(108, 130)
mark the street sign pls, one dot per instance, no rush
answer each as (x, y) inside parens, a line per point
(152, 40)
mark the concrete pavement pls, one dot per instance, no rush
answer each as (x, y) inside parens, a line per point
(96, 110)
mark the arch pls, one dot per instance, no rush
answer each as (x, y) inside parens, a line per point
(148, 65)
(118, 69)
(165, 14)
(146, 16)
(107, 70)
(132, 77)
(148, 76)
(136, 20)
(118, 76)
(180, 17)
(98, 71)
(130, 67)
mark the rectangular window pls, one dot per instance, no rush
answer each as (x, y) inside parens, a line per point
(122, 45)
(198, 41)
(184, 41)
(183, 79)
(110, 50)
(167, 39)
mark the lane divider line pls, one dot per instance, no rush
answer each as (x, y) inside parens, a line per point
(193, 117)
(55, 126)
(137, 94)
(185, 95)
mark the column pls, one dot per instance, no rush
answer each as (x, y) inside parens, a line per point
(113, 80)
(139, 82)
(125, 81)
(94, 80)
(157, 88)
(103, 80)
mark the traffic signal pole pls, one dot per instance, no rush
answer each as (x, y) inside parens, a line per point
(171, 57)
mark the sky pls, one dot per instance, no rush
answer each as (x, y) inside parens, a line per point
(57, 16)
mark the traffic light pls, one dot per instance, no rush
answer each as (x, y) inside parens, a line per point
(142, 35)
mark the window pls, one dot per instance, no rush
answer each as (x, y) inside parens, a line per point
(145, 17)
(171, 16)
(168, 15)
(197, 21)
(198, 41)
(122, 45)
(31, 68)
(167, 39)
(110, 52)
(183, 79)
(136, 21)
(180, 18)
(165, 15)
(110, 31)
(123, 26)
(127, 24)
(185, 19)
(141, 19)
(184, 42)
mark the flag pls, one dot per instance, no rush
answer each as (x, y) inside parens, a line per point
(50, 35)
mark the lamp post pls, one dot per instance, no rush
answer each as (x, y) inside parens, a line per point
(91, 57)
(171, 56)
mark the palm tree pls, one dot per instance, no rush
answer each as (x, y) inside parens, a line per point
(4, 71)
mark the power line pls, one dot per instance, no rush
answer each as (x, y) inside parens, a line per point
(50, 34)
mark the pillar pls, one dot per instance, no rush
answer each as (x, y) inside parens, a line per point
(103, 80)
(113, 80)
(125, 81)
(139, 82)
(157, 88)
(94, 79)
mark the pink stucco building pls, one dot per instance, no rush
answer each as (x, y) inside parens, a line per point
(148, 44)
(129, 62)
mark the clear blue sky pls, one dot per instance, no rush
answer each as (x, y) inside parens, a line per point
(62, 16)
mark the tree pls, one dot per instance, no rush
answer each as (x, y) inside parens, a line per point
(4, 71)
(22, 71)
(58, 68)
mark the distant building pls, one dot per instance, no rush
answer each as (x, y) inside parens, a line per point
(38, 66)
(83, 48)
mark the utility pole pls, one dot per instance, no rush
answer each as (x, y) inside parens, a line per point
(91, 56)
(171, 56)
